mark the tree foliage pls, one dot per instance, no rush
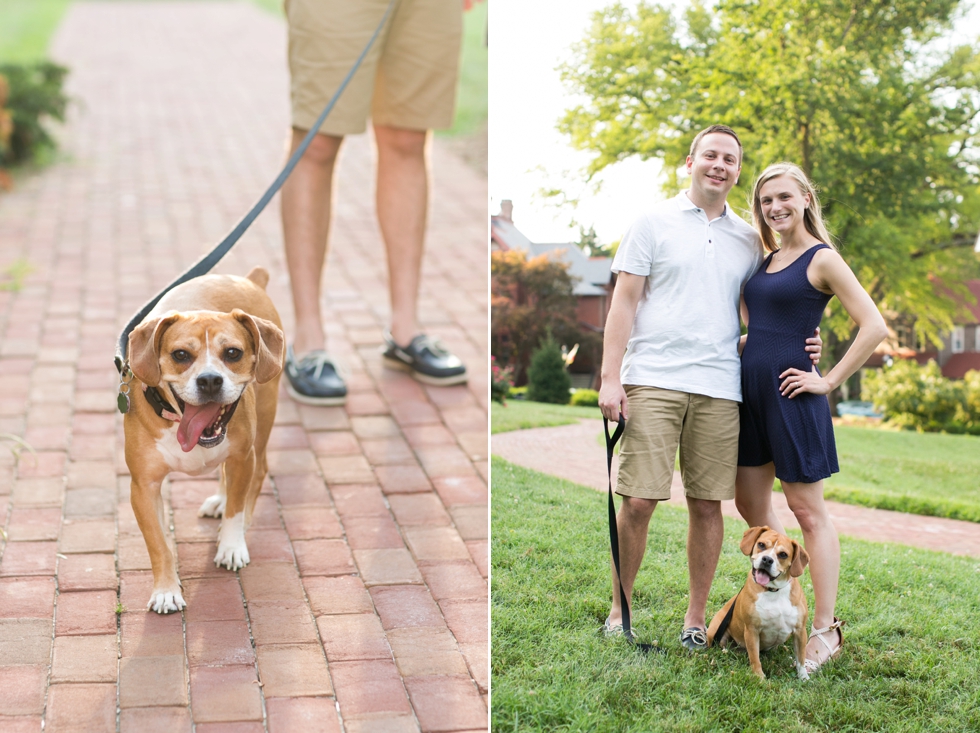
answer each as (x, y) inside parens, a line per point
(865, 95)
(529, 298)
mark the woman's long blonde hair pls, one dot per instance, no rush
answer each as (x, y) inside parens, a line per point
(812, 216)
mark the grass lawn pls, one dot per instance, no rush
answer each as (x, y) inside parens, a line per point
(471, 95)
(26, 27)
(920, 473)
(911, 659)
(522, 414)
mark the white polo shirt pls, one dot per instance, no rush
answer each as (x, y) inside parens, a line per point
(686, 331)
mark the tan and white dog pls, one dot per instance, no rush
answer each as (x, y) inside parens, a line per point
(771, 606)
(206, 363)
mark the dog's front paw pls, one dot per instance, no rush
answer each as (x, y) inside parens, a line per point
(801, 672)
(232, 556)
(166, 601)
(232, 552)
(213, 506)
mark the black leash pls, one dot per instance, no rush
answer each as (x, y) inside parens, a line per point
(206, 263)
(614, 538)
(723, 626)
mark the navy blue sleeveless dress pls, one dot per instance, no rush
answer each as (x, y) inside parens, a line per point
(797, 434)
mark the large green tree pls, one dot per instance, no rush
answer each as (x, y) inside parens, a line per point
(869, 97)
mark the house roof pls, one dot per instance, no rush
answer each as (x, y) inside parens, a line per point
(959, 364)
(972, 308)
(974, 286)
(507, 235)
(592, 273)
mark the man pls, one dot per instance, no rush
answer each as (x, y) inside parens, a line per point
(407, 84)
(672, 337)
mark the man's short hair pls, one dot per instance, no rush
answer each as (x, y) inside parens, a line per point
(716, 128)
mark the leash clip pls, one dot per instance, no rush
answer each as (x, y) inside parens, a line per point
(125, 377)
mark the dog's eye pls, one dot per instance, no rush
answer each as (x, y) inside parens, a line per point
(762, 545)
(783, 555)
(233, 354)
(180, 356)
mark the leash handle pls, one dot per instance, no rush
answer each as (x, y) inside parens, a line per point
(611, 441)
(208, 261)
(613, 528)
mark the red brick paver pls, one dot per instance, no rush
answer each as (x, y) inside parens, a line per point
(574, 452)
(364, 606)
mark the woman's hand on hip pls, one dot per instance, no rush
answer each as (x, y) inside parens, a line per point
(796, 381)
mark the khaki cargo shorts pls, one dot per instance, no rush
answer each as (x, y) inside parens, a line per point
(706, 429)
(407, 80)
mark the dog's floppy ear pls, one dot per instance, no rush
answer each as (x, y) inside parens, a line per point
(800, 560)
(749, 538)
(144, 348)
(269, 345)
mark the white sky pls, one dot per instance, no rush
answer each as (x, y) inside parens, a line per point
(529, 38)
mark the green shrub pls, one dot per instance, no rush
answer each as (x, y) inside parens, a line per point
(547, 379)
(517, 393)
(920, 398)
(34, 96)
(585, 398)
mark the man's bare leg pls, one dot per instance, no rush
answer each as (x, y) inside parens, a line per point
(402, 200)
(633, 523)
(705, 532)
(307, 197)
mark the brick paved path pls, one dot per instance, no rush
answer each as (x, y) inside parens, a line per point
(577, 453)
(365, 604)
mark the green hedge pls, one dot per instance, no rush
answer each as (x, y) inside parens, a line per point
(585, 398)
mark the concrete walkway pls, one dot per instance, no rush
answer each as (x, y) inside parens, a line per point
(578, 453)
(365, 605)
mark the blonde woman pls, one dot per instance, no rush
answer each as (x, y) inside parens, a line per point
(785, 426)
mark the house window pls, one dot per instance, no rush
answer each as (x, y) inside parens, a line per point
(976, 338)
(958, 343)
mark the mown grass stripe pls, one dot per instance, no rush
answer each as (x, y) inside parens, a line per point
(932, 474)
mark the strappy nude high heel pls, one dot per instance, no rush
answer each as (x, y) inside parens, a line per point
(812, 665)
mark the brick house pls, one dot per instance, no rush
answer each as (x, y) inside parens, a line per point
(961, 347)
(593, 277)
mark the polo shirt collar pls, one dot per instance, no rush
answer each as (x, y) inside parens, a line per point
(685, 204)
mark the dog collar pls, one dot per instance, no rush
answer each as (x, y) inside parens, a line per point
(160, 406)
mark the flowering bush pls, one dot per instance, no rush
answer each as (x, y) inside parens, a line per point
(501, 380)
(920, 398)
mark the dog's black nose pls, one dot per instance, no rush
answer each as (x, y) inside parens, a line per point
(209, 384)
(767, 561)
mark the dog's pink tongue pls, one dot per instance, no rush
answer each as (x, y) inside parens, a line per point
(196, 418)
(761, 576)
